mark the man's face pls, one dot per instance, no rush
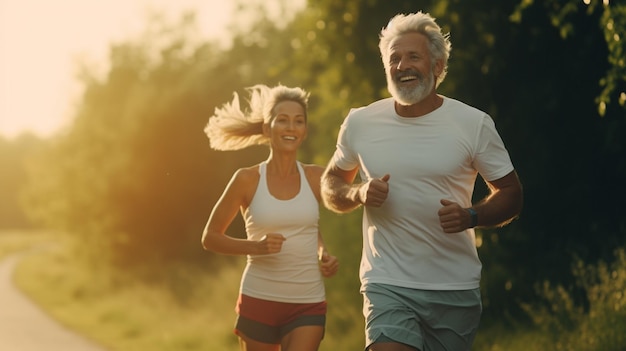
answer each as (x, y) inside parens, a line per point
(409, 70)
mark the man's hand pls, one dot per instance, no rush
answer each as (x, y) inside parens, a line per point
(374, 192)
(453, 218)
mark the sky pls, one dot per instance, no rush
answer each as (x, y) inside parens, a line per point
(41, 41)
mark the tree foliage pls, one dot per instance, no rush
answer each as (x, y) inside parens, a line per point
(135, 175)
(14, 155)
(611, 22)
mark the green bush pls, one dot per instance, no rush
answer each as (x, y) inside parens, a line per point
(597, 324)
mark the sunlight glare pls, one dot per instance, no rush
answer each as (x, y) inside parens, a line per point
(40, 42)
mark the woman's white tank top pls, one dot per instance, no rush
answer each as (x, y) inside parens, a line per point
(291, 275)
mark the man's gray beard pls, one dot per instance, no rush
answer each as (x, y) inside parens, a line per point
(409, 96)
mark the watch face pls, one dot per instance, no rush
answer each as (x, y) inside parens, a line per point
(474, 217)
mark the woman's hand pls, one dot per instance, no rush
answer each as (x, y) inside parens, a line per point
(329, 265)
(270, 244)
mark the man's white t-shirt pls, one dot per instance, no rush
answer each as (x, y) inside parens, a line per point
(429, 158)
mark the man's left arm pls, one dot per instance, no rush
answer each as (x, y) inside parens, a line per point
(502, 205)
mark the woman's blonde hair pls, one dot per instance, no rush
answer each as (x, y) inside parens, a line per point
(232, 128)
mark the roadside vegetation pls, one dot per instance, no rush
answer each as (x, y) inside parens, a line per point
(183, 307)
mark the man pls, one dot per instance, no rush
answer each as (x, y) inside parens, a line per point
(418, 155)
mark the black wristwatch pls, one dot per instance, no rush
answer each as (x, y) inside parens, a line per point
(474, 217)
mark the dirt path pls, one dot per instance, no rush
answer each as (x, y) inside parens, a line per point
(25, 327)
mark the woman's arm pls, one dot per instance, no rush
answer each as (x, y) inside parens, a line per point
(238, 194)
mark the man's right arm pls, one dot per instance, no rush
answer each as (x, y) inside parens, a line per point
(339, 194)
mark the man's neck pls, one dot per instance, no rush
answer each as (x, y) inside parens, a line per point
(424, 107)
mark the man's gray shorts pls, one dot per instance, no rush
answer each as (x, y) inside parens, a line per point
(428, 320)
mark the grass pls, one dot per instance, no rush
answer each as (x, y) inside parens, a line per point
(132, 315)
(188, 308)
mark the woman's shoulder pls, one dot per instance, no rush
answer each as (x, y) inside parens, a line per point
(313, 175)
(247, 175)
(312, 170)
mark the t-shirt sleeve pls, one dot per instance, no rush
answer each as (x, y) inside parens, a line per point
(492, 159)
(344, 156)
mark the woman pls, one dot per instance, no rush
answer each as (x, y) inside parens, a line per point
(281, 303)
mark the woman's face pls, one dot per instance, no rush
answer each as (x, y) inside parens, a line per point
(288, 127)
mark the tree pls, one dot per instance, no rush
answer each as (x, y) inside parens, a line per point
(13, 158)
(134, 178)
(611, 21)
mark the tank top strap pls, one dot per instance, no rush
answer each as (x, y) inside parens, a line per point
(262, 175)
(305, 187)
(303, 180)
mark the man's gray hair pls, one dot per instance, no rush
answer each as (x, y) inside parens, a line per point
(418, 22)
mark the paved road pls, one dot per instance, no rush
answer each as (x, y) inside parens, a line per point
(25, 327)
